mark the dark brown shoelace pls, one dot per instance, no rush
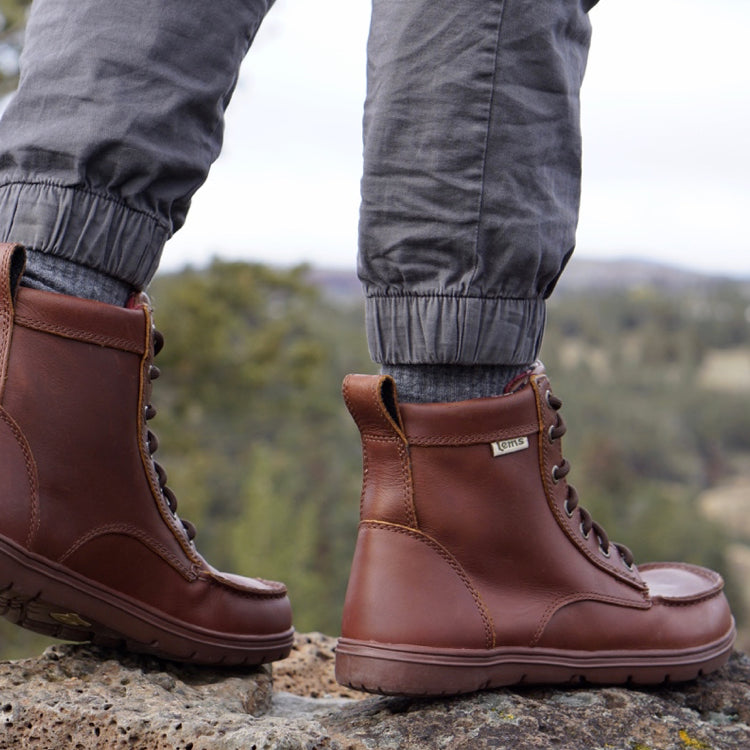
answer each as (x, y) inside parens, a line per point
(153, 445)
(571, 503)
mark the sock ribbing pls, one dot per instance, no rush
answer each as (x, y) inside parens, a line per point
(440, 383)
(53, 274)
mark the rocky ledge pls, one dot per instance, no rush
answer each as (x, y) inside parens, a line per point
(76, 696)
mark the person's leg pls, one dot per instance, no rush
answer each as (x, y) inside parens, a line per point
(476, 565)
(471, 186)
(117, 119)
(118, 116)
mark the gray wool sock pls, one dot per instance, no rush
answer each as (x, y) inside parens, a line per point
(51, 273)
(421, 384)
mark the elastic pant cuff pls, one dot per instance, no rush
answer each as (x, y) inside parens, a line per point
(427, 329)
(91, 229)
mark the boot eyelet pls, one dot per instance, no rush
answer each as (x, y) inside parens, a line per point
(549, 433)
(606, 554)
(628, 565)
(547, 394)
(568, 511)
(585, 534)
(555, 477)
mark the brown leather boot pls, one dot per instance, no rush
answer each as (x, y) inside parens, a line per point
(476, 567)
(91, 547)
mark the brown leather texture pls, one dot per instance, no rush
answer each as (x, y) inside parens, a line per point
(471, 538)
(84, 514)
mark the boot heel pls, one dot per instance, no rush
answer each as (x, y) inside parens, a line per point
(395, 670)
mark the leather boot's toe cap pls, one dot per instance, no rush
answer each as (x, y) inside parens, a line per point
(244, 605)
(680, 582)
(686, 609)
(259, 586)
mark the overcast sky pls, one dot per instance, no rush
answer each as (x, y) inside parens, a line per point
(666, 120)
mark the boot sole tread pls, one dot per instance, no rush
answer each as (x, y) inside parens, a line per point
(51, 600)
(393, 669)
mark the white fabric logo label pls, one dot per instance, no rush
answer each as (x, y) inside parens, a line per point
(503, 447)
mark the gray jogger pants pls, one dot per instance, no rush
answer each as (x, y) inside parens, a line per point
(471, 153)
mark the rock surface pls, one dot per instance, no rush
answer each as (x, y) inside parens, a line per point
(76, 696)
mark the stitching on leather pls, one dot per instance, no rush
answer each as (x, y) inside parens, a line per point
(347, 400)
(346, 392)
(146, 459)
(6, 314)
(549, 493)
(425, 441)
(378, 438)
(406, 485)
(127, 529)
(365, 477)
(114, 342)
(714, 579)
(31, 476)
(212, 580)
(688, 602)
(375, 398)
(4, 348)
(489, 627)
(410, 513)
(557, 604)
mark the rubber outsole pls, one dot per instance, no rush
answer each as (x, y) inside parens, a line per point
(411, 671)
(47, 598)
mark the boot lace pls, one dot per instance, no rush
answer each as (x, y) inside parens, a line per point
(153, 445)
(572, 502)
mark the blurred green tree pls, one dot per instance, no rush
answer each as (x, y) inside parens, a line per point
(12, 22)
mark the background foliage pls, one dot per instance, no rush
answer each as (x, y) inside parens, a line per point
(12, 22)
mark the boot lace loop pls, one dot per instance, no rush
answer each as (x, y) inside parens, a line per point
(560, 471)
(152, 443)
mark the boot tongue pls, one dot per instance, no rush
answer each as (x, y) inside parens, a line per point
(522, 380)
(137, 300)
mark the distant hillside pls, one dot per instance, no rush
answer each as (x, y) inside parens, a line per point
(338, 286)
(580, 275)
(583, 274)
